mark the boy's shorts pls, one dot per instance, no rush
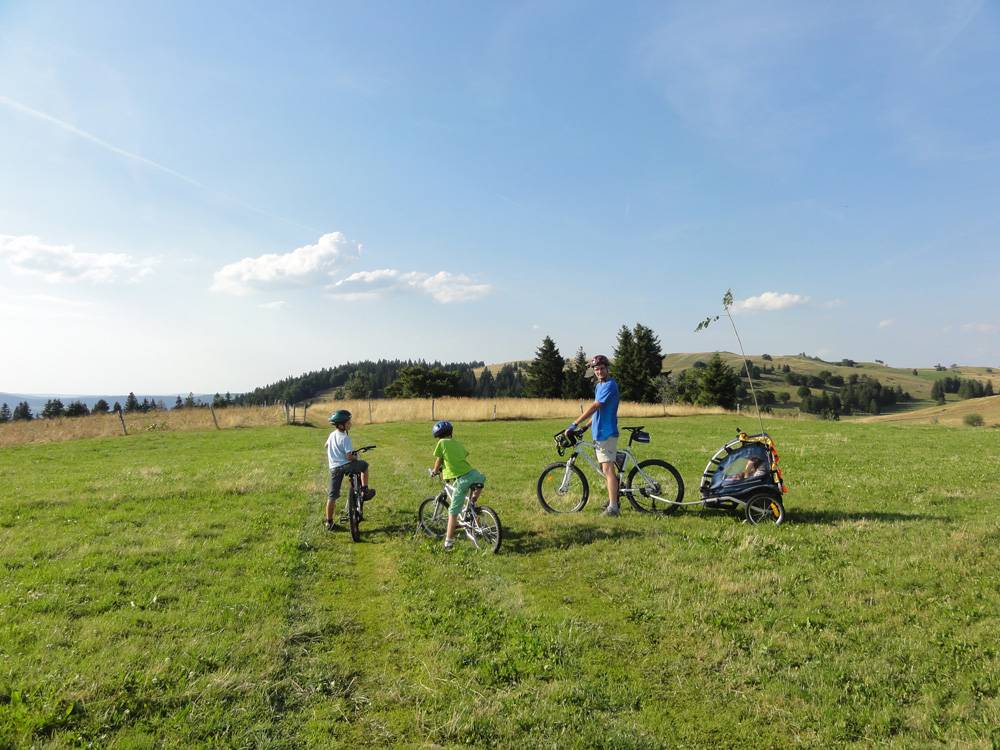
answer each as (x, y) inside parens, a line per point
(462, 485)
(357, 466)
(606, 449)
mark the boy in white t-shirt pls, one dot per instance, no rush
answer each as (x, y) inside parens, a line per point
(343, 460)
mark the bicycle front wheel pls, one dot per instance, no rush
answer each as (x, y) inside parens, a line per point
(655, 487)
(432, 517)
(562, 488)
(487, 529)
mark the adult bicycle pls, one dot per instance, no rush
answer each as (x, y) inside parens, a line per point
(480, 524)
(355, 499)
(651, 486)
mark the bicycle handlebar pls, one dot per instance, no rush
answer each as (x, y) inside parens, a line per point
(364, 448)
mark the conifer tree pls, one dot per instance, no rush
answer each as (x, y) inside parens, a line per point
(77, 409)
(178, 404)
(486, 385)
(22, 412)
(131, 403)
(4, 413)
(718, 384)
(545, 373)
(53, 408)
(627, 368)
(576, 384)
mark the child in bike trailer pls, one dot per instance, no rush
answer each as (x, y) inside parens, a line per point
(451, 456)
(343, 460)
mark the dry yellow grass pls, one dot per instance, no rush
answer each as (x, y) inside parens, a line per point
(107, 425)
(382, 410)
(474, 409)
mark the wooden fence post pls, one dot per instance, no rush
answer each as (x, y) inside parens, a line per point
(369, 410)
(494, 410)
(284, 405)
(305, 408)
(212, 409)
(121, 416)
(432, 409)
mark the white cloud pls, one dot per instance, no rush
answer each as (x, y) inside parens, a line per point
(443, 286)
(276, 305)
(769, 302)
(886, 323)
(980, 327)
(303, 266)
(834, 303)
(28, 255)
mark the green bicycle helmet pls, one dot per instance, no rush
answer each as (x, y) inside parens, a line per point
(341, 416)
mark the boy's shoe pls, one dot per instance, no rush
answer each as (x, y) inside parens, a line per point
(367, 494)
(449, 545)
(612, 511)
(329, 524)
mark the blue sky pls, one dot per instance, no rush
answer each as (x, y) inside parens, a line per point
(213, 196)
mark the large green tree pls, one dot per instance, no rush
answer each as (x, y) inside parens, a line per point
(638, 362)
(132, 403)
(576, 384)
(4, 413)
(545, 373)
(718, 384)
(486, 386)
(22, 412)
(53, 408)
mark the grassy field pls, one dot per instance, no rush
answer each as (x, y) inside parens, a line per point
(176, 589)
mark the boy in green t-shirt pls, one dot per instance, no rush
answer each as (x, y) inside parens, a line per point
(452, 456)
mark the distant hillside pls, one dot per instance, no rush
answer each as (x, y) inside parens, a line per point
(952, 414)
(917, 385)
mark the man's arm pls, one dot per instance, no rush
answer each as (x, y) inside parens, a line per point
(588, 412)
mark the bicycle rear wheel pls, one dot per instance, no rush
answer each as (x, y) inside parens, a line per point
(562, 488)
(486, 529)
(432, 517)
(656, 487)
(354, 513)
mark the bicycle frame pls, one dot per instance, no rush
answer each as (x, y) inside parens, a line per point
(587, 449)
(468, 518)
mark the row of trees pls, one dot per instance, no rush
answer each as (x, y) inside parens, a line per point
(963, 387)
(636, 366)
(54, 407)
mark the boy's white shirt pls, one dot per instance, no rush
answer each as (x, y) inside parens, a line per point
(338, 445)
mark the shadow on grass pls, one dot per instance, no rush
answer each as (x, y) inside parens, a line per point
(840, 516)
(524, 542)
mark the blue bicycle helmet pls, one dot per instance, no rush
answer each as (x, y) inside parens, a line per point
(341, 416)
(442, 429)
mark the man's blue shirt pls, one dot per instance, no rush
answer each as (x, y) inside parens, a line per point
(605, 422)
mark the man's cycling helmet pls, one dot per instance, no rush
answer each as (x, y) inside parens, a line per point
(442, 429)
(341, 416)
(599, 359)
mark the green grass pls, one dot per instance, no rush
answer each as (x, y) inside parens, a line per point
(177, 589)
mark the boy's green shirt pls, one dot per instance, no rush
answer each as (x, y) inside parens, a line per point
(453, 454)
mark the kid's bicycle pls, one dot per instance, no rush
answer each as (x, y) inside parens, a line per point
(652, 486)
(480, 524)
(354, 511)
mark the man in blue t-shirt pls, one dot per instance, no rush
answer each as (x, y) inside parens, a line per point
(604, 427)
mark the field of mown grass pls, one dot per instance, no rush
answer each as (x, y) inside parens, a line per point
(176, 589)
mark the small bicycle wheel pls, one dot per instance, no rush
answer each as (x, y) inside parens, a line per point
(432, 517)
(763, 507)
(487, 529)
(562, 488)
(656, 487)
(354, 515)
